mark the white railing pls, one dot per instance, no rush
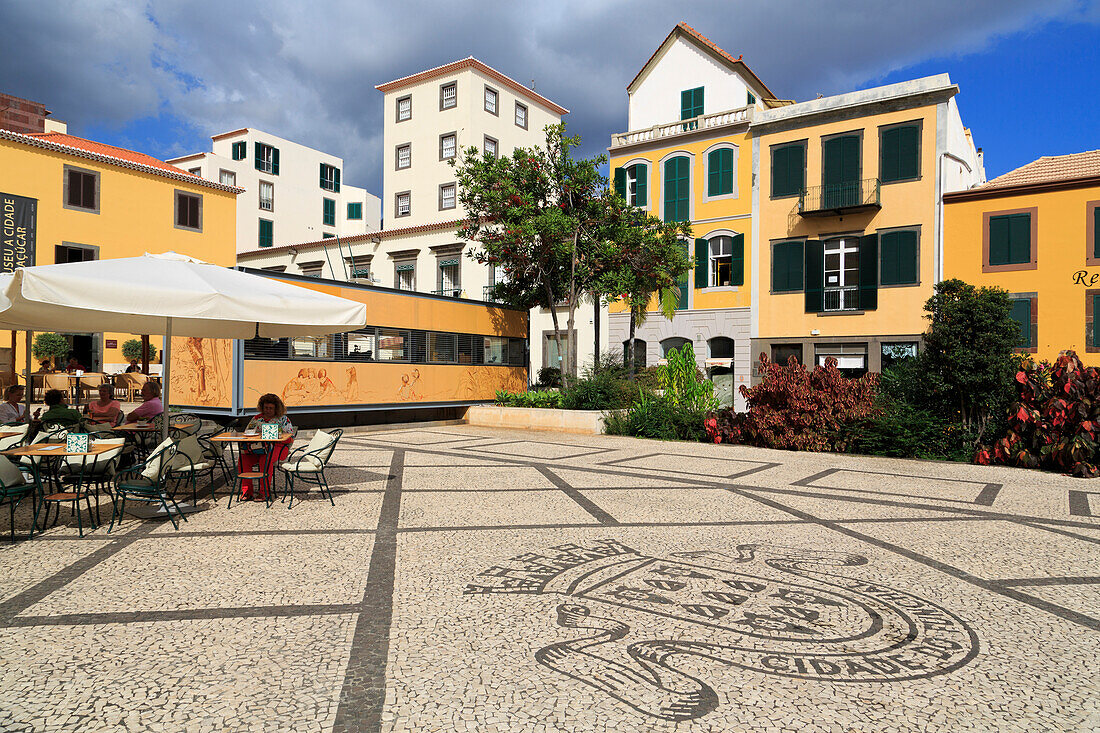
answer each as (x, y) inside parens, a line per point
(702, 122)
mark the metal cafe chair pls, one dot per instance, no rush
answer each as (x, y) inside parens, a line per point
(148, 483)
(14, 487)
(191, 462)
(307, 464)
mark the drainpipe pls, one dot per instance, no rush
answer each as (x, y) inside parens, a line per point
(938, 275)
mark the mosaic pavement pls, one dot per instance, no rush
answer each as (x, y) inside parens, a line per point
(478, 580)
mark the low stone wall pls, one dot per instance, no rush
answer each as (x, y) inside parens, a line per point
(585, 422)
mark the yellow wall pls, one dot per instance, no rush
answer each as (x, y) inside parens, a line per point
(708, 217)
(900, 309)
(1062, 249)
(136, 215)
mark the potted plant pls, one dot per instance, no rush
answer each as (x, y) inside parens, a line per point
(50, 345)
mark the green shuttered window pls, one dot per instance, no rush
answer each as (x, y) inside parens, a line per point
(720, 172)
(685, 283)
(814, 268)
(620, 182)
(328, 212)
(640, 173)
(899, 258)
(868, 272)
(788, 169)
(1021, 313)
(267, 233)
(702, 252)
(691, 103)
(787, 267)
(899, 151)
(1096, 320)
(1096, 231)
(677, 190)
(355, 210)
(1010, 239)
(240, 150)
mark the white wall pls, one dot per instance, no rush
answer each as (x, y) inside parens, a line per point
(957, 176)
(683, 65)
(298, 210)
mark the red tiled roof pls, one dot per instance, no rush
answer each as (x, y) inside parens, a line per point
(79, 147)
(709, 45)
(1050, 168)
(103, 149)
(381, 234)
(466, 63)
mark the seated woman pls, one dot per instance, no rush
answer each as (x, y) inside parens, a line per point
(134, 367)
(272, 412)
(105, 410)
(74, 366)
(12, 409)
(57, 410)
(151, 405)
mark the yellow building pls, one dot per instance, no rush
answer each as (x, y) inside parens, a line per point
(849, 244)
(1035, 232)
(687, 157)
(67, 199)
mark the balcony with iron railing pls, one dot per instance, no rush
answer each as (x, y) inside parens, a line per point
(682, 127)
(840, 198)
(449, 292)
(841, 299)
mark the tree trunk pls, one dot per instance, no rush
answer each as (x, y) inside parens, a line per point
(630, 340)
(570, 345)
(595, 329)
(557, 329)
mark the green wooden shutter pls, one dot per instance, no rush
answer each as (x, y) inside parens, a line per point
(275, 161)
(685, 284)
(1096, 317)
(898, 253)
(1096, 232)
(322, 175)
(1019, 238)
(266, 233)
(257, 148)
(1021, 313)
(337, 172)
(714, 173)
(702, 255)
(908, 152)
(840, 171)
(998, 240)
(737, 268)
(752, 99)
(787, 170)
(889, 157)
(868, 272)
(677, 190)
(814, 269)
(796, 164)
(641, 184)
(787, 261)
(908, 242)
(888, 259)
(686, 104)
(620, 182)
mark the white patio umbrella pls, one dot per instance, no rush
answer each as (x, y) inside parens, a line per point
(171, 294)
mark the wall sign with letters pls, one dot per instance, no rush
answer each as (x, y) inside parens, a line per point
(18, 228)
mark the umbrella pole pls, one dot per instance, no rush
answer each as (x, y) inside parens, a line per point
(30, 379)
(166, 375)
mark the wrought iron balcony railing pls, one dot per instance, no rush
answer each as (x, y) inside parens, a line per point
(839, 198)
(841, 299)
(450, 292)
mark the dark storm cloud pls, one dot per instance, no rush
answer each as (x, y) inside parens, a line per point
(307, 71)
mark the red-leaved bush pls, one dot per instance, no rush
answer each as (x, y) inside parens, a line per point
(1054, 423)
(796, 409)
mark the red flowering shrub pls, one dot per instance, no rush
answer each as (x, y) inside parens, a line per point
(796, 409)
(1054, 423)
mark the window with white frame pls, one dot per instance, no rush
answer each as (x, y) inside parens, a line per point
(404, 108)
(842, 274)
(490, 146)
(448, 95)
(450, 277)
(266, 159)
(521, 115)
(404, 156)
(330, 178)
(632, 185)
(491, 98)
(447, 196)
(195, 171)
(402, 203)
(721, 261)
(448, 144)
(227, 178)
(267, 195)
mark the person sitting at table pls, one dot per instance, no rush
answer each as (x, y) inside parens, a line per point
(74, 366)
(12, 409)
(44, 367)
(57, 410)
(105, 410)
(151, 405)
(272, 412)
(134, 367)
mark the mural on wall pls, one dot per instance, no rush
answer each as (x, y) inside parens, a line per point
(335, 383)
(201, 369)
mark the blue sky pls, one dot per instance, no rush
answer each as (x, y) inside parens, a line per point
(161, 76)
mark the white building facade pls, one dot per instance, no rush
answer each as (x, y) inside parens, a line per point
(430, 118)
(293, 193)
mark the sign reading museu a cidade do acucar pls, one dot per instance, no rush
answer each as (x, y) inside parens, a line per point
(18, 229)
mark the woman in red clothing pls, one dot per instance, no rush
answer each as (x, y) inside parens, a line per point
(272, 412)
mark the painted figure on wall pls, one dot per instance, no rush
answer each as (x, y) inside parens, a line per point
(294, 391)
(351, 392)
(200, 371)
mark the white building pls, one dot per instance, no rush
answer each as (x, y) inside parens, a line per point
(430, 117)
(293, 193)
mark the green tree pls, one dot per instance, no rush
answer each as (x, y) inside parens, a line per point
(536, 216)
(968, 359)
(641, 257)
(131, 349)
(50, 345)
